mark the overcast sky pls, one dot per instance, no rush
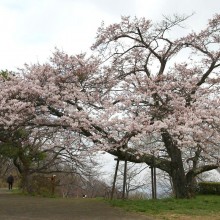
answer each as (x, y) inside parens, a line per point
(31, 29)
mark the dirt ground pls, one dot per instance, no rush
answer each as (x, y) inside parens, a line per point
(18, 207)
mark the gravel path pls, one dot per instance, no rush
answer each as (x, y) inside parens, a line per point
(18, 207)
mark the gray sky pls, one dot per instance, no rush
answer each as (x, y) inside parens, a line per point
(31, 29)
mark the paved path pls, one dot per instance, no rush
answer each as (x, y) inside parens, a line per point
(18, 207)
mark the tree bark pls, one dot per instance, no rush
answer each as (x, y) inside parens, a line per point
(179, 181)
(177, 171)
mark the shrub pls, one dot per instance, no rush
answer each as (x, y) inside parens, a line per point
(40, 185)
(209, 188)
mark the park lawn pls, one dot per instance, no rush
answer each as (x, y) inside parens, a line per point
(202, 207)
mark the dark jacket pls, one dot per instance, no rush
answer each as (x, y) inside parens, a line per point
(10, 179)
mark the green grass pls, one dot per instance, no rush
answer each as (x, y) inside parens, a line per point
(201, 205)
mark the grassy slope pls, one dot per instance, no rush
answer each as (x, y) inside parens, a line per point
(205, 206)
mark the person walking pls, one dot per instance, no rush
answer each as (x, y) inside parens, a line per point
(10, 181)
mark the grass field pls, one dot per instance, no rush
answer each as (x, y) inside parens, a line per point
(202, 207)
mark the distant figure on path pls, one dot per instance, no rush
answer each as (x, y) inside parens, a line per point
(10, 181)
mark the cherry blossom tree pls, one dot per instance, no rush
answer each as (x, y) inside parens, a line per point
(163, 96)
(32, 147)
(147, 97)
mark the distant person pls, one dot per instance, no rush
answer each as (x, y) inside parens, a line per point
(10, 181)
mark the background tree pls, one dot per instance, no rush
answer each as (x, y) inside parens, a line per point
(29, 152)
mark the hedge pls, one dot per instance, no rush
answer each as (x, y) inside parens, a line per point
(209, 188)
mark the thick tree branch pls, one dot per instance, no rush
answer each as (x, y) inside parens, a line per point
(196, 171)
(132, 155)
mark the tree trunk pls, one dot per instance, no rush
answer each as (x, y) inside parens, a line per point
(177, 172)
(179, 183)
(25, 181)
(191, 184)
(184, 184)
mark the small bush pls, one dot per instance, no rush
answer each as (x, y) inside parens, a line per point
(40, 185)
(209, 188)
